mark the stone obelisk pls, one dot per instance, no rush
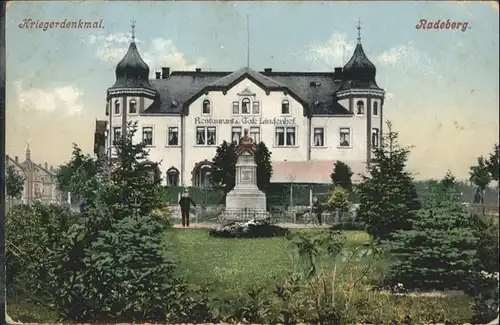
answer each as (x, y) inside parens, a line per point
(245, 201)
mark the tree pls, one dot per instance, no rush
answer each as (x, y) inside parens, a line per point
(388, 197)
(113, 257)
(264, 166)
(78, 176)
(438, 251)
(493, 163)
(338, 200)
(449, 182)
(480, 176)
(14, 183)
(224, 173)
(341, 175)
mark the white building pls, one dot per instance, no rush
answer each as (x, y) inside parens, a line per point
(308, 120)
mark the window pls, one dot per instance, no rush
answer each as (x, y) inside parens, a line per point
(203, 177)
(206, 135)
(375, 137)
(360, 107)
(255, 134)
(132, 109)
(236, 134)
(375, 108)
(245, 106)
(345, 137)
(319, 137)
(147, 135)
(107, 109)
(206, 107)
(236, 107)
(173, 136)
(117, 133)
(285, 136)
(285, 107)
(256, 107)
(117, 107)
(173, 177)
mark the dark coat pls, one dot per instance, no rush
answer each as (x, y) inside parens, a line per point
(185, 203)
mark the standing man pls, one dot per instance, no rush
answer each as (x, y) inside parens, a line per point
(185, 204)
(318, 209)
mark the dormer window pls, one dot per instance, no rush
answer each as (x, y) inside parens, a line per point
(117, 107)
(206, 107)
(245, 106)
(375, 108)
(285, 107)
(360, 107)
(132, 109)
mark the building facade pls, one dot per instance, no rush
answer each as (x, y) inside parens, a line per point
(39, 181)
(308, 120)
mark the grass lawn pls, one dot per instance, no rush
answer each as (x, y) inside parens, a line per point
(236, 264)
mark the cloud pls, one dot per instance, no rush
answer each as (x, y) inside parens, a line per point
(67, 99)
(407, 59)
(333, 52)
(158, 53)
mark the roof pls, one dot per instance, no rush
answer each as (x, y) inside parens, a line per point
(28, 164)
(311, 171)
(132, 71)
(315, 90)
(359, 71)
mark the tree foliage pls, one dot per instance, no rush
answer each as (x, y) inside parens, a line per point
(438, 251)
(264, 166)
(388, 197)
(110, 262)
(78, 175)
(493, 163)
(14, 183)
(338, 200)
(223, 175)
(341, 175)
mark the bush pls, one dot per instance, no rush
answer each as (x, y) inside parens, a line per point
(249, 229)
(438, 252)
(33, 233)
(484, 287)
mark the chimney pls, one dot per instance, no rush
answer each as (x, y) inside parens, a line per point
(338, 74)
(267, 70)
(198, 69)
(46, 166)
(16, 158)
(165, 72)
(158, 75)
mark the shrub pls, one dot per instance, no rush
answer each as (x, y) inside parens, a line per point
(484, 287)
(33, 233)
(249, 229)
(438, 252)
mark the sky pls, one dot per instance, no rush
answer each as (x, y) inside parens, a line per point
(441, 85)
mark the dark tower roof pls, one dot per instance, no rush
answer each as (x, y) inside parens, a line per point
(359, 71)
(359, 67)
(132, 71)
